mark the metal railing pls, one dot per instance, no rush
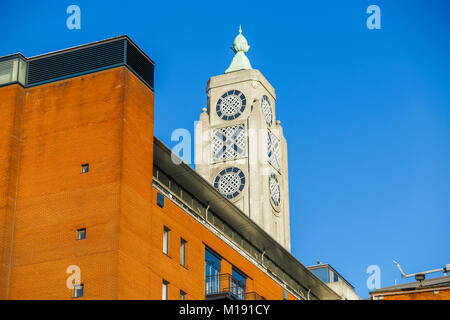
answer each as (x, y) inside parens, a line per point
(224, 286)
(254, 296)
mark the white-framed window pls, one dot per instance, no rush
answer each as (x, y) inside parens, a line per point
(166, 233)
(183, 244)
(81, 234)
(165, 290)
(78, 290)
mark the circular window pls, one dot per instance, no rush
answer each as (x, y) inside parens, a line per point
(230, 182)
(231, 105)
(274, 187)
(267, 110)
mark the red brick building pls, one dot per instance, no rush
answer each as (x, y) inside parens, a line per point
(430, 289)
(86, 185)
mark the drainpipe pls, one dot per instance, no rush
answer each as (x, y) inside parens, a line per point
(307, 295)
(206, 213)
(262, 258)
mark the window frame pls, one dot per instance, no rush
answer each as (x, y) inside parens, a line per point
(78, 288)
(166, 242)
(183, 247)
(165, 290)
(79, 232)
(83, 166)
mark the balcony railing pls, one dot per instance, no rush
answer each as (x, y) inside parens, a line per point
(224, 286)
(254, 296)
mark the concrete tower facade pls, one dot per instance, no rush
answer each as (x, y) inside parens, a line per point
(240, 147)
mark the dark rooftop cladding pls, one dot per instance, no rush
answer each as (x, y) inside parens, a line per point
(76, 61)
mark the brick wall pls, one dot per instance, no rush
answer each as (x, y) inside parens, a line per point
(104, 119)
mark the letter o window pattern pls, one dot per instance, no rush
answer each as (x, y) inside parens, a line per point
(231, 105)
(230, 182)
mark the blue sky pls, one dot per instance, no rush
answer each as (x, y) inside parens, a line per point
(366, 113)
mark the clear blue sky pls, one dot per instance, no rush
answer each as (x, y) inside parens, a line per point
(366, 113)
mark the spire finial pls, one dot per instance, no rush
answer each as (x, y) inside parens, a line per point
(240, 60)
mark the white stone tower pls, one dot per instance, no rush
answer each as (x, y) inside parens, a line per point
(240, 147)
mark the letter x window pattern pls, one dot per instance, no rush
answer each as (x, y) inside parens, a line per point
(229, 142)
(273, 146)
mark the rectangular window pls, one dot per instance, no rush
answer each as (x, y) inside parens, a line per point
(182, 295)
(166, 240)
(85, 168)
(160, 200)
(323, 274)
(183, 252)
(239, 283)
(165, 290)
(335, 277)
(78, 290)
(81, 234)
(212, 272)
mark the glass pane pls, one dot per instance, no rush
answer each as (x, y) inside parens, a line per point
(212, 273)
(22, 71)
(335, 277)
(322, 274)
(165, 290)
(13, 70)
(239, 283)
(166, 241)
(183, 252)
(8, 71)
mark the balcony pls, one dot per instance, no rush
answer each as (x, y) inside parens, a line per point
(254, 296)
(224, 287)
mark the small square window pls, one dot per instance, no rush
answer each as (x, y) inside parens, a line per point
(85, 168)
(160, 200)
(78, 290)
(81, 234)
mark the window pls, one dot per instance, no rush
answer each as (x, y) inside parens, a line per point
(183, 252)
(160, 200)
(81, 234)
(322, 274)
(78, 290)
(285, 294)
(182, 295)
(166, 240)
(239, 283)
(85, 168)
(335, 277)
(165, 290)
(229, 142)
(212, 272)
